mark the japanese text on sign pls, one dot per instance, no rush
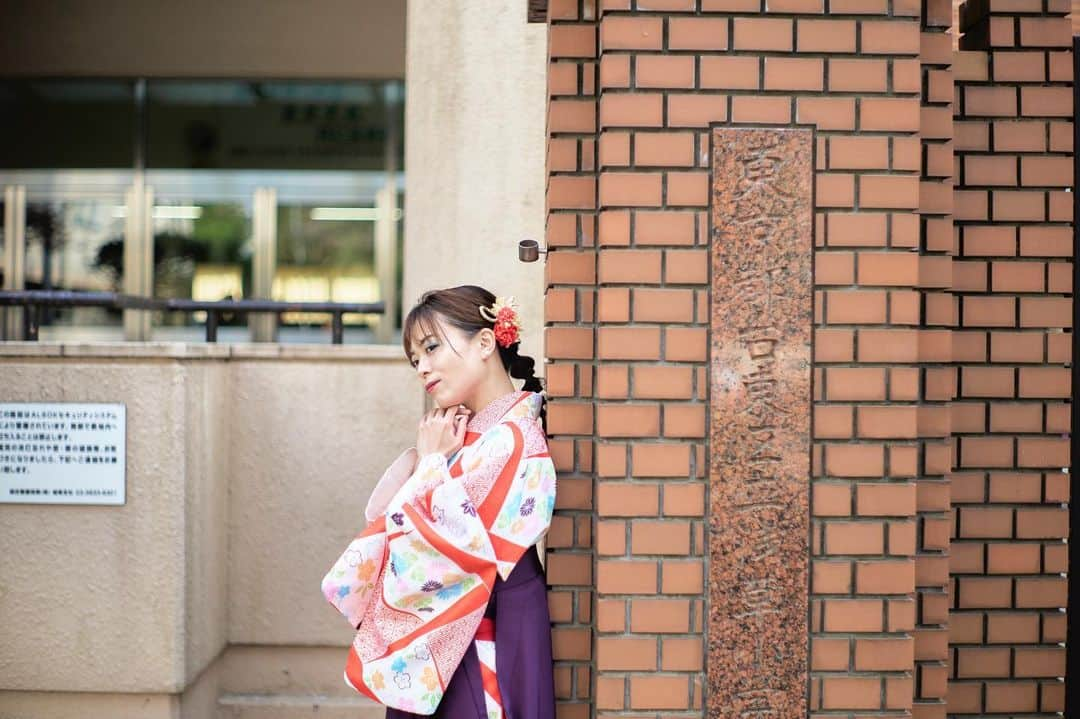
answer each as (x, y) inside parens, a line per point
(62, 453)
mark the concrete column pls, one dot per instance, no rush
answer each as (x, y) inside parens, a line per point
(138, 257)
(264, 229)
(474, 152)
(14, 257)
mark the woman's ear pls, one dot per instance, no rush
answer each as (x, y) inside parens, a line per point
(486, 338)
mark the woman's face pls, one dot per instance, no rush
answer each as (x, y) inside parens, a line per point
(448, 362)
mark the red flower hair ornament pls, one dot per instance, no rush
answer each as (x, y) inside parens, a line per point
(504, 314)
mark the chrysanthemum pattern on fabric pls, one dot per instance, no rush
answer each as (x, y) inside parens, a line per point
(431, 560)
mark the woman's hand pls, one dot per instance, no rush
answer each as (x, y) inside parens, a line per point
(442, 430)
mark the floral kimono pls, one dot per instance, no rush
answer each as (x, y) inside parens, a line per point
(418, 581)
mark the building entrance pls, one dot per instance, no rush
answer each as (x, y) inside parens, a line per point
(232, 189)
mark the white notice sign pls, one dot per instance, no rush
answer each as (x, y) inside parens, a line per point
(62, 453)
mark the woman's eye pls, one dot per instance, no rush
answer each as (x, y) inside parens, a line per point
(430, 347)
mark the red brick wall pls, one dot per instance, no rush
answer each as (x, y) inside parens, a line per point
(571, 278)
(899, 296)
(1012, 278)
(1075, 14)
(936, 248)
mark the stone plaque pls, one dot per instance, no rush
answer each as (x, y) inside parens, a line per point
(759, 428)
(62, 453)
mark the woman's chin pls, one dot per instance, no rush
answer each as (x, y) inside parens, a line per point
(443, 398)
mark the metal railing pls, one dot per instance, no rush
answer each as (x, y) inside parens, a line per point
(33, 300)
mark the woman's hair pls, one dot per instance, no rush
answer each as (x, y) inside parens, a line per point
(460, 306)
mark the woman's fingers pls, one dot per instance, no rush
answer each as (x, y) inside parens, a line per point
(445, 415)
(459, 433)
(443, 429)
(434, 416)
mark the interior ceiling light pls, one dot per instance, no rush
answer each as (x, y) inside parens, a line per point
(167, 212)
(350, 214)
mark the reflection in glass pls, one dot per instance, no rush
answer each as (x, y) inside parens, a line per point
(325, 253)
(3, 248)
(209, 143)
(4, 313)
(76, 245)
(68, 123)
(202, 251)
(279, 125)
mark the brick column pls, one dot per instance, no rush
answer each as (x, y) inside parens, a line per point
(936, 247)
(869, 345)
(650, 382)
(568, 311)
(1012, 275)
(668, 71)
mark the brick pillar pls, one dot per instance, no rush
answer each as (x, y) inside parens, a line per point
(938, 312)
(1012, 276)
(869, 345)
(650, 382)
(570, 345)
(637, 388)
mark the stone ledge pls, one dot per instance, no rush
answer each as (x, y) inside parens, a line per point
(201, 350)
(249, 706)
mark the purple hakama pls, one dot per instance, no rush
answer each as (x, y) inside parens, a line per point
(523, 649)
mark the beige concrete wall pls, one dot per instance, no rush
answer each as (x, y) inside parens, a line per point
(474, 151)
(248, 468)
(207, 440)
(81, 705)
(204, 38)
(94, 596)
(302, 463)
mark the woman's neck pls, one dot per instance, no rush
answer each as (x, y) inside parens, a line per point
(495, 387)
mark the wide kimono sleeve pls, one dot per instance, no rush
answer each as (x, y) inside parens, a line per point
(390, 483)
(350, 583)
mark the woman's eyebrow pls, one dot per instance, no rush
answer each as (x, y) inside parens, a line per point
(413, 345)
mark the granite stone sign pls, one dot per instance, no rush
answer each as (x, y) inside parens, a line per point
(759, 472)
(62, 453)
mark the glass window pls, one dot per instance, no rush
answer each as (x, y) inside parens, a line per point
(325, 253)
(321, 145)
(4, 312)
(76, 245)
(3, 247)
(202, 251)
(67, 124)
(285, 125)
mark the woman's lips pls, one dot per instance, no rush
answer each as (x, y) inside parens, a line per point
(431, 385)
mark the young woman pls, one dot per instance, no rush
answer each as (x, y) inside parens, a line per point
(445, 586)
